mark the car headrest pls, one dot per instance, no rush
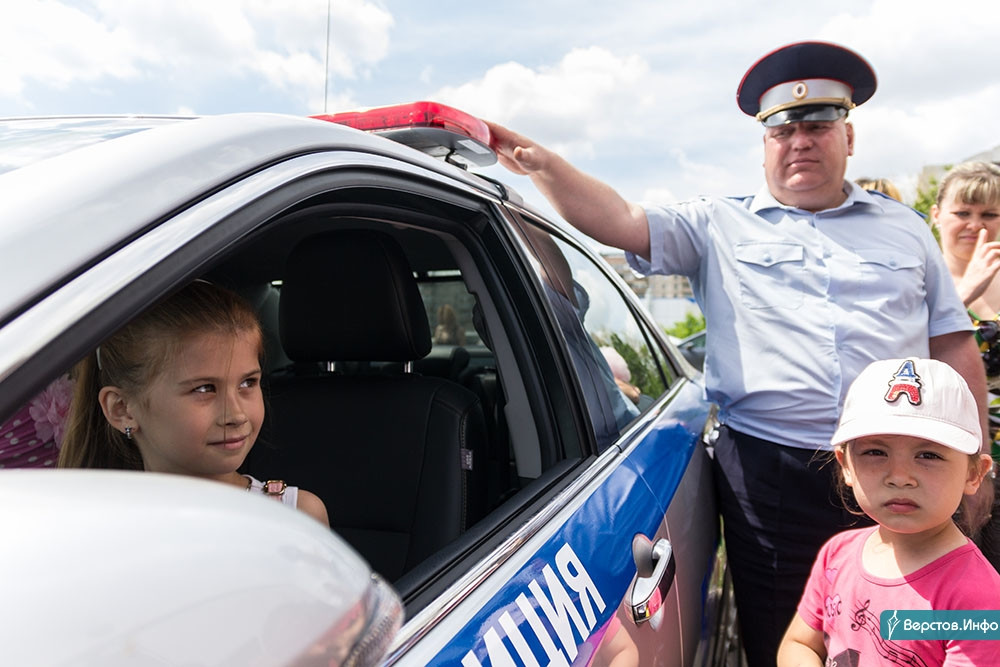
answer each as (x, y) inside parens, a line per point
(351, 296)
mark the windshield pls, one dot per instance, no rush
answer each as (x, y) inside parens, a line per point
(27, 140)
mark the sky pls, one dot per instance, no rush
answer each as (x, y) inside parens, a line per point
(640, 94)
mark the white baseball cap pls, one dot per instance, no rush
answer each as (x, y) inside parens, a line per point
(923, 398)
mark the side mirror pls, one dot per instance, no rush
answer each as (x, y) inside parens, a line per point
(122, 568)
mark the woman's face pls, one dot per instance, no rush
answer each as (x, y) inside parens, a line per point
(959, 224)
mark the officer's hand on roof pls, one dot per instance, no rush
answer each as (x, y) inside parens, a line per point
(514, 151)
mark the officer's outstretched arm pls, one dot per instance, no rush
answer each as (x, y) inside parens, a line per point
(588, 204)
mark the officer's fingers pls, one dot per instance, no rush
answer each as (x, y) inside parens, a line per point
(502, 139)
(529, 158)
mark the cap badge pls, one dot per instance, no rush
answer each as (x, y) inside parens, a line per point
(800, 90)
(905, 382)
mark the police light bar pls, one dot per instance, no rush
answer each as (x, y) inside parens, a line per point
(435, 129)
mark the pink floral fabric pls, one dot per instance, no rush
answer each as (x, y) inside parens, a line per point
(31, 437)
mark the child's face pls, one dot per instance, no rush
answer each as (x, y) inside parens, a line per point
(959, 224)
(906, 484)
(201, 415)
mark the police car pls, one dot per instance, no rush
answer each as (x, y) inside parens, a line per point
(455, 407)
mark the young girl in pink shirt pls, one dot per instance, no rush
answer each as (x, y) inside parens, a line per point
(908, 444)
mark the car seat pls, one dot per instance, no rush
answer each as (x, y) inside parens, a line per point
(394, 457)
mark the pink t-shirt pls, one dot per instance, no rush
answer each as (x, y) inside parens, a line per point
(844, 602)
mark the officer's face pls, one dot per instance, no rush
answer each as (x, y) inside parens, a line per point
(805, 162)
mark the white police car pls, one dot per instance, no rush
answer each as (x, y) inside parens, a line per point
(437, 372)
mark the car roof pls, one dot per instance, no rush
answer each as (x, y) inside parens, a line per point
(133, 171)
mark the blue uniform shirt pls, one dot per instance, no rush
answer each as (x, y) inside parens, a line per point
(798, 303)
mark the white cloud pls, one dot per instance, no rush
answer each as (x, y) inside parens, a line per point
(51, 42)
(589, 95)
(191, 43)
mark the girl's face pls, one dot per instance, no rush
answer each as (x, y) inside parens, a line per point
(906, 484)
(959, 224)
(201, 415)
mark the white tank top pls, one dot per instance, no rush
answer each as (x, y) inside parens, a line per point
(275, 488)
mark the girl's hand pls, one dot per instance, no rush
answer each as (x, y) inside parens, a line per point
(982, 268)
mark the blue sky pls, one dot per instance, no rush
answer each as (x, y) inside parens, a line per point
(641, 94)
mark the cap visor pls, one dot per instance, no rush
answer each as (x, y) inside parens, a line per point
(917, 427)
(814, 112)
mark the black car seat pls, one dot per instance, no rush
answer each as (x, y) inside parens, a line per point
(394, 457)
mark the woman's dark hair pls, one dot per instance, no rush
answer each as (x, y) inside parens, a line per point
(133, 356)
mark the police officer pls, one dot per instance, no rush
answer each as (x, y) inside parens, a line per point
(802, 285)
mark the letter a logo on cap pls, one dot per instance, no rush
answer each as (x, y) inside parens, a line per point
(905, 382)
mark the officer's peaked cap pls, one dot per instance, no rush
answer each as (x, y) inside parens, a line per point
(805, 81)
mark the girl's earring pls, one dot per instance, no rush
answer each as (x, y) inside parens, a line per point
(128, 432)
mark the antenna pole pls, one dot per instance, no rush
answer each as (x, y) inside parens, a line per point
(326, 64)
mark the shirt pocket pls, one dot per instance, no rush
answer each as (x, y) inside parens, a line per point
(770, 274)
(890, 279)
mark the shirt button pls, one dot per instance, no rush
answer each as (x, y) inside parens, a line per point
(767, 258)
(892, 263)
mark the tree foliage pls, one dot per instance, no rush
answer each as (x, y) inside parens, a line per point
(689, 325)
(927, 197)
(641, 364)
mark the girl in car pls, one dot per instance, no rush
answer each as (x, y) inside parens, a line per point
(908, 445)
(177, 390)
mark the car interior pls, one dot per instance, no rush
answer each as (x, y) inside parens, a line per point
(408, 441)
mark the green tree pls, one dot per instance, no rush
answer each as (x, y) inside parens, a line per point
(690, 324)
(927, 197)
(641, 365)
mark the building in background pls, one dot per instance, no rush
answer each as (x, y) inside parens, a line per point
(668, 298)
(937, 171)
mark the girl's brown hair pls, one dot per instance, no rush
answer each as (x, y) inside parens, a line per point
(133, 356)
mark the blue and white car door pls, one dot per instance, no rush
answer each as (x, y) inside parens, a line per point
(614, 568)
(560, 597)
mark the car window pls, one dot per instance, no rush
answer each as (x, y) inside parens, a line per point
(620, 372)
(450, 308)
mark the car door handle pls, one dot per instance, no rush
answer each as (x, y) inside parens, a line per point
(655, 570)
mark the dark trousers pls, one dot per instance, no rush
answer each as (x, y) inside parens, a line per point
(988, 539)
(779, 505)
